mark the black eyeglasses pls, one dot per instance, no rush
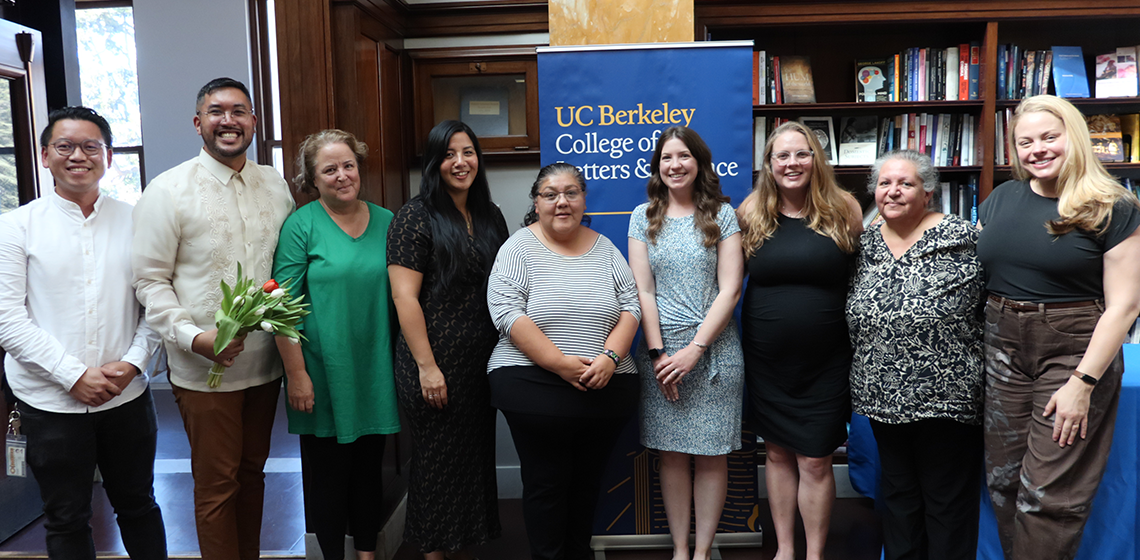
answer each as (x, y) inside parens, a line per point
(66, 147)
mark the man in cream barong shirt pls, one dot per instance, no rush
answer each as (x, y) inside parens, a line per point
(193, 225)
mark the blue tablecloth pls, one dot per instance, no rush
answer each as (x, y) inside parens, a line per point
(1115, 521)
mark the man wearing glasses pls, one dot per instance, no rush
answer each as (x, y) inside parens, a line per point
(193, 225)
(78, 346)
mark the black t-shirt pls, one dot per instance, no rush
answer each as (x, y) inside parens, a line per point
(1024, 262)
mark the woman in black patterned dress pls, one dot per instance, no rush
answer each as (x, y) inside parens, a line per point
(913, 315)
(441, 246)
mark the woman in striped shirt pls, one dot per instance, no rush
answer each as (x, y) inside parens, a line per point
(565, 303)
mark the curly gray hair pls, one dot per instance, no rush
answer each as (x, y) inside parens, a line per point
(927, 173)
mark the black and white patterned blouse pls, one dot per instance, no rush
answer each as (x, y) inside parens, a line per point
(915, 327)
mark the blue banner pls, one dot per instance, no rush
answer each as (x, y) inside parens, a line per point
(602, 109)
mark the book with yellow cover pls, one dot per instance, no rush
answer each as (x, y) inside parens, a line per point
(1107, 140)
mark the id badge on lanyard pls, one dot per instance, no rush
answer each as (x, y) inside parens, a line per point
(15, 448)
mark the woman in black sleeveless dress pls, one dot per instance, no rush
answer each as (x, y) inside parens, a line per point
(801, 231)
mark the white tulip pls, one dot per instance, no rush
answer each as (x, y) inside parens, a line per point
(265, 326)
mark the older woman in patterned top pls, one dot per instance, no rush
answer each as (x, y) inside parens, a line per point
(917, 371)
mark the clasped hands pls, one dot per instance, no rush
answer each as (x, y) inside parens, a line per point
(98, 385)
(672, 369)
(586, 373)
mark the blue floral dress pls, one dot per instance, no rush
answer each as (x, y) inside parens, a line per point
(706, 419)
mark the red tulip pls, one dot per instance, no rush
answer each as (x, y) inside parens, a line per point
(270, 286)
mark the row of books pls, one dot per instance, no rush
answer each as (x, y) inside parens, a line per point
(959, 198)
(1025, 73)
(953, 73)
(949, 139)
(1114, 137)
(778, 80)
(921, 74)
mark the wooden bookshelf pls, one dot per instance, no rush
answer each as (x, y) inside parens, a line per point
(835, 34)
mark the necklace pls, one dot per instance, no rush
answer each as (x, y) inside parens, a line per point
(797, 215)
(470, 226)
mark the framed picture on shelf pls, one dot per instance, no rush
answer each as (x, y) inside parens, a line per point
(824, 129)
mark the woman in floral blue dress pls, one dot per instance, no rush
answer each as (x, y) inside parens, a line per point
(685, 252)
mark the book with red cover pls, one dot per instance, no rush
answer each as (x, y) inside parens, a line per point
(964, 72)
(779, 82)
(755, 77)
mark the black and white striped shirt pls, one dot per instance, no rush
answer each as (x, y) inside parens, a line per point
(575, 301)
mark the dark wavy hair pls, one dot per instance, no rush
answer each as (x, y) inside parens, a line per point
(560, 168)
(448, 227)
(707, 196)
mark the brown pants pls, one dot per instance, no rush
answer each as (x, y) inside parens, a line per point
(1042, 493)
(229, 443)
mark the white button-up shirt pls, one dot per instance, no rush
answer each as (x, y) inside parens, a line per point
(193, 224)
(66, 300)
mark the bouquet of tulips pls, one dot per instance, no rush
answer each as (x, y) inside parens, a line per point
(247, 307)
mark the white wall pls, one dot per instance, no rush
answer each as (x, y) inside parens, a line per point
(510, 188)
(182, 45)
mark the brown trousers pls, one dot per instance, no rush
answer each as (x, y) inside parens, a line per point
(229, 443)
(1042, 493)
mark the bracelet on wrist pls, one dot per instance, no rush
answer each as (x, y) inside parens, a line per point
(612, 355)
(701, 346)
(1090, 380)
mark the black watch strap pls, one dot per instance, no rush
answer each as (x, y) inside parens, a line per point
(1086, 378)
(655, 353)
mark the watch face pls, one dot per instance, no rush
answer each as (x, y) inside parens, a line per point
(654, 353)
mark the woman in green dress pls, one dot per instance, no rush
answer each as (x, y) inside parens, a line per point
(342, 397)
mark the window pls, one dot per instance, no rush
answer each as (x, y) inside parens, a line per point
(110, 85)
(9, 185)
(267, 85)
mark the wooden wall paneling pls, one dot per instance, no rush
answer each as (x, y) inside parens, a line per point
(988, 93)
(305, 66)
(392, 125)
(432, 21)
(391, 14)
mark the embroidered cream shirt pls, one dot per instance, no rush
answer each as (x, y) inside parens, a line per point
(193, 224)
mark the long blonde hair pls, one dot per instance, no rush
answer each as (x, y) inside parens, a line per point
(825, 208)
(1085, 190)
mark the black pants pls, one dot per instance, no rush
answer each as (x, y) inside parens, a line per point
(562, 462)
(343, 489)
(63, 451)
(931, 481)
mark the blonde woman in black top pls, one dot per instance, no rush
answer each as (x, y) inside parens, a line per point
(1061, 248)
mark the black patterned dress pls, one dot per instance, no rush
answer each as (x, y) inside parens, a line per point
(452, 495)
(915, 327)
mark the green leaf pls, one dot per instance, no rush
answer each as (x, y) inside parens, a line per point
(227, 331)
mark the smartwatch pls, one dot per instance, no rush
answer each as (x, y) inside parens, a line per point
(655, 353)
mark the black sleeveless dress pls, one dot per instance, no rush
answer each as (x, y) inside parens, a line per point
(797, 355)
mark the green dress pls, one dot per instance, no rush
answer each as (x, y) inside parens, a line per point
(351, 327)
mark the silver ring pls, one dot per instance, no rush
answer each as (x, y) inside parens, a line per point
(431, 396)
